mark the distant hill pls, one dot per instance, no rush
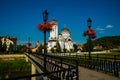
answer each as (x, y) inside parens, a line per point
(108, 42)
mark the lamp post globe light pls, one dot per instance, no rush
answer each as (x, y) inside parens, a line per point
(89, 22)
(91, 35)
(45, 16)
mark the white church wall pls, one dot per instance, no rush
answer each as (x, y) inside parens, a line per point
(63, 38)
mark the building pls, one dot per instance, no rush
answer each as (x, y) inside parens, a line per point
(63, 39)
(6, 41)
(98, 47)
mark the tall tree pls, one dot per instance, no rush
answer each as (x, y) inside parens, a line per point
(11, 48)
(40, 49)
(0, 46)
(58, 48)
(75, 47)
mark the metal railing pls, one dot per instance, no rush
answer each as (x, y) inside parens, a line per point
(57, 68)
(110, 65)
(55, 63)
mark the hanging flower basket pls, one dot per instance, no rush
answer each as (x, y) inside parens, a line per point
(29, 44)
(90, 32)
(43, 27)
(47, 26)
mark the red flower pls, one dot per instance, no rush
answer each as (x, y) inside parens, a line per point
(90, 32)
(44, 27)
(29, 44)
(52, 22)
(93, 35)
(46, 43)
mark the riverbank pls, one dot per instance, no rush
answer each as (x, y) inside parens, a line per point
(12, 56)
(13, 65)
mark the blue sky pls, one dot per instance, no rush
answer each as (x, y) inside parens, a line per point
(18, 18)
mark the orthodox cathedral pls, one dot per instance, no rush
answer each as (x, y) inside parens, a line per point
(63, 38)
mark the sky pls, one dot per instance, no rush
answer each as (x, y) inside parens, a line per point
(19, 18)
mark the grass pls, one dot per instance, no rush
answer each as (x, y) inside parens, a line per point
(13, 68)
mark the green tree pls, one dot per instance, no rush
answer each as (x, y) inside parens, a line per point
(4, 47)
(88, 46)
(58, 48)
(11, 48)
(108, 42)
(52, 50)
(40, 48)
(75, 47)
(0, 46)
(21, 48)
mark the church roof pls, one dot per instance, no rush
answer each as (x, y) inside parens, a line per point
(65, 30)
(52, 40)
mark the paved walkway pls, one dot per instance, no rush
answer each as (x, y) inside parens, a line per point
(87, 74)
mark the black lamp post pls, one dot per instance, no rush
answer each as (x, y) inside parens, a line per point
(91, 35)
(45, 18)
(29, 44)
(89, 23)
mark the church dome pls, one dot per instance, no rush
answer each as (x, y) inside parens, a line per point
(65, 33)
(65, 30)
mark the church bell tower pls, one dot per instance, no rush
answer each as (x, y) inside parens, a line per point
(54, 31)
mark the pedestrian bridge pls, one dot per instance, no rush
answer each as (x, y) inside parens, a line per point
(57, 68)
(48, 67)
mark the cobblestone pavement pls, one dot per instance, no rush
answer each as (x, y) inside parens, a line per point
(87, 74)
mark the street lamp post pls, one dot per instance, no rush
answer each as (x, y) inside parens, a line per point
(29, 44)
(91, 35)
(45, 18)
(44, 28)
(89, 22)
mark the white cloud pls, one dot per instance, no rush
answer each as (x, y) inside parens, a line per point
(109, 26)
(101, 32)
(100, 29)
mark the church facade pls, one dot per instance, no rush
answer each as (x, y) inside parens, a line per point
(63, 39)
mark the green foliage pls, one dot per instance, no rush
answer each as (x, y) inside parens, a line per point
(52, 50)
(14, 65)
(88, 46)
(0, 45)
(108, 42)
(14, 68)
(58, 48)
(75, 47)
(4, 47)
(21, 48)
(11, 48)
(40, 49)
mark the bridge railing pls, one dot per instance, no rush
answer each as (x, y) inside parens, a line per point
(57, 68)
(55, 63)
(109, 64)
